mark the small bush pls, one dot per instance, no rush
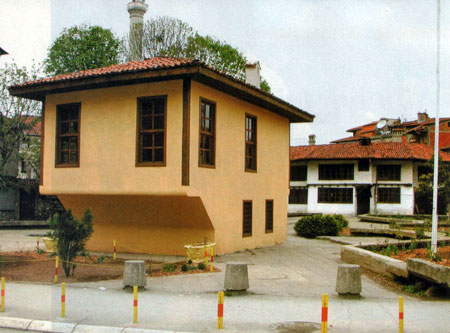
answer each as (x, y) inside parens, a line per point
(70, 235)
(170, 268)
(100, 259)
(412, 246)
(317, 225)
(341, 222)
(201, 266)
(184, 267)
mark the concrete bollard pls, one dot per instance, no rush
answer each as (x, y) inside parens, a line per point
(348, 280)
(236, 276)
(134, 273)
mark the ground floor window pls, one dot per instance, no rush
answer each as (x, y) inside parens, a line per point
(269, 216)
(389, 195)
(247, 213)
(298, 195)
(335, 195)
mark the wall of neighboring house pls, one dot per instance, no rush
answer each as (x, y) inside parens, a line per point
(147, 208)
(9, 199)
(361, 179)
(406, 185)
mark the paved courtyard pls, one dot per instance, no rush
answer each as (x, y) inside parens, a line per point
(286, 284)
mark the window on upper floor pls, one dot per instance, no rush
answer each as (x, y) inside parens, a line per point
(388, 172)
(247, 218)
(269, 216)
(207, 141)
(336, 171)
(68, 135)
(389, 195)
(363, 165)
(423, 170)
(250, 143)
(299, 172)
(298, 195)
(151, 132)
(335, 195)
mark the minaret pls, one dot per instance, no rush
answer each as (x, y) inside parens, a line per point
(137, 9)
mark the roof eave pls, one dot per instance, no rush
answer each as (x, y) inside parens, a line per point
(199, 73)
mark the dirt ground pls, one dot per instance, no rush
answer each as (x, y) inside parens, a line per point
(34, 267)
(443, 251)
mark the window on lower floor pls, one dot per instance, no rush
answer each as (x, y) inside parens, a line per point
(247, 218)
(298, 195)
(388, 172)
(269, 216)
(335, 195)
(389, 195)
(336, 171)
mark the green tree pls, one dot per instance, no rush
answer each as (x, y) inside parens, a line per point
(167, 36)
(81, 48)
(424, 190)
(18, 117)
(70, 236)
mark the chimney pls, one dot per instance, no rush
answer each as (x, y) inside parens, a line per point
(422, 116)
(137, 9)
(252, 75)
(312, 139)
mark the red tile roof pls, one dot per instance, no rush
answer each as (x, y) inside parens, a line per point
(354, 129)
(155, 63)
(36, 130)
(354, 150)
(119, 73)
(347, 139)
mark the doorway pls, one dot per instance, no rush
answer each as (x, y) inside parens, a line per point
(363, 199)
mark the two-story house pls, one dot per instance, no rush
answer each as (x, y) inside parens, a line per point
(167, 152)
(357, 177)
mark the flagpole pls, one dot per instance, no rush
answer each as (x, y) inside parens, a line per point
(436, 136)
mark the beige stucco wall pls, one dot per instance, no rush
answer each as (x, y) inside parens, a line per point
(163, 211)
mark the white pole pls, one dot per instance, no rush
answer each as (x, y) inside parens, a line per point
(436, 136)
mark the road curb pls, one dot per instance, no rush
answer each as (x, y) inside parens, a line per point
(62, 327)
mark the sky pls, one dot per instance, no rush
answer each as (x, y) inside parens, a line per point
(348, 62)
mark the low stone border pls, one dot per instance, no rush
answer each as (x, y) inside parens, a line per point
(400, 222)
(391, 232)
(429, 271)
(374, 261)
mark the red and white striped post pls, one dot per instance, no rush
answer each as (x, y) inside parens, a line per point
(55, 280)
(212, 260)
(220, 310)
(2, 309)
(324, 313)
(63, 300)
(206, 259)
(135, 305)
(400, 314)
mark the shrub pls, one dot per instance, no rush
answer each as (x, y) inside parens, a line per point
(169, 268)
(201, 266)
(341, 222)
(317, 225)
(70, 236)
(184, 267)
